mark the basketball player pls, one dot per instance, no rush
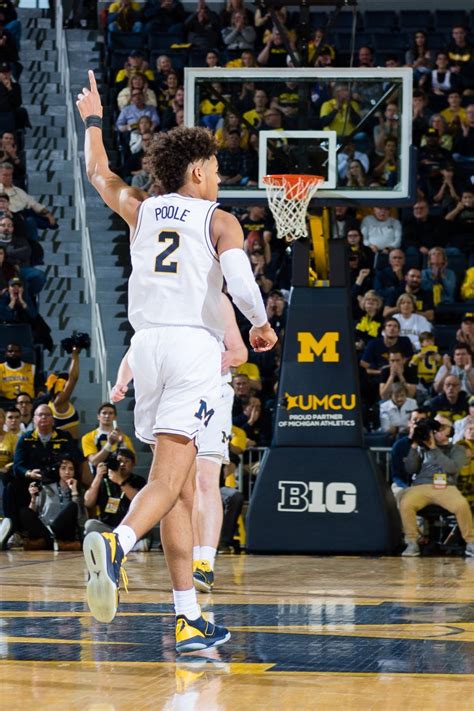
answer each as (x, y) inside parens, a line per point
(213, 451)
(181, 247)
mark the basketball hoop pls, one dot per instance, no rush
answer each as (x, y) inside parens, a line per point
(288, 198)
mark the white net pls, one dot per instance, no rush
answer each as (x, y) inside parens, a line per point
(288, 198)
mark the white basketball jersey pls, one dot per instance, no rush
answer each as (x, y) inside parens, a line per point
(176, 277)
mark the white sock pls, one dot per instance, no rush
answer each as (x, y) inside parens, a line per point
(185, 603)
(208, 553)
(196, 553)
(126, 536)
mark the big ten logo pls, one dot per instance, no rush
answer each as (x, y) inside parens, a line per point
(316, 497)
(324, 347)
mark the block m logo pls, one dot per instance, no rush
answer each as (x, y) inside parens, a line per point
(324, 348)
(203, 413)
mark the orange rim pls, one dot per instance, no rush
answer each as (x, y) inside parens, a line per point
(296, 186)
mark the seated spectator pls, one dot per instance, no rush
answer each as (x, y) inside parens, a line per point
(8, 442)
(255, 117)
(319, 54)
(395, 413)
(396, 371)
(8, 271)
(465, 333)
(455, 115)
(36, 455)
(421, 233)
(234, 165)
(16, 305)
(21, 201)
(369, 319)
(137, 82)
(464, 143)
(462, 219)
(13, 421)
(124, 16)
(431, 158)
(113, 488)
(142, 179)
(381, 232)
(130, 114)
(9, 20)
(467, 287)
(437, 278)
(238, 34)
(460, 425)
(356, 175)
(19, 252)
(445, 138)
(411, 323)
(170, 117)
(212, 59)
(24, 403)
(376, 355)
(447, 196)
(168, 91)
(356, 247)
(56, 511)
(140, 139)
(260, 268)
(388, 127)
(211, 108)
(411, 285)
(391, 280)
(441, 82)
(277, 311)
(60, 389)
(434, 465)
(460, 52)
(98, 444)
(10, 153)
(231, 123)
(13, 115)
(386, 170)
(202, 28)
(460, 365)
(163, 16)
(452, 402)
(274, 51)
(246, 59)
(398, 475)
(465, 481)
(340, 114)
(427, 360)
(421, 116)
(15, 375)
(252, 371)
(347, 155)
(135, 64)
(242, 393)
(164, 66)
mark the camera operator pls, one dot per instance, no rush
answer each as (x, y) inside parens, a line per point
(113, 488)
(36, 454)
(56, 511)
(434, 464)
(399, 477)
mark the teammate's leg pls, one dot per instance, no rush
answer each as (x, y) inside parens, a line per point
(208, 515)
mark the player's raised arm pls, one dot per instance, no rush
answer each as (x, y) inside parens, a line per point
(119, 196)
(228, 237)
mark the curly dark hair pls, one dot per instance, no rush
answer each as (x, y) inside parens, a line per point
(171, 153)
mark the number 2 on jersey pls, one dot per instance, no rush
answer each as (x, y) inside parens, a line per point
(162, 263)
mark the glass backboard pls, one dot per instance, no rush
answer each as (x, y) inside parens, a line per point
(353, 126)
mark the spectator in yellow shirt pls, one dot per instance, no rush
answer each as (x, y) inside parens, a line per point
(106, 438)
(455, 116)
(338, 114)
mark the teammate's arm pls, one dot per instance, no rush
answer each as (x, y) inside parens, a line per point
(228, 238)
(116, 194)
(236, 353)
(124, 376)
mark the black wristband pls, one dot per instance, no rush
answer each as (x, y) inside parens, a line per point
(95, 121)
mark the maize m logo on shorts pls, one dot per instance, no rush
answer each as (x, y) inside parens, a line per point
(339, 497)
(324, 347)
(203, 413)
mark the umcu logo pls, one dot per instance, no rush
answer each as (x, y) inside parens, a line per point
(203, 413)
(316, 497)
(326, 402)
(324, 348)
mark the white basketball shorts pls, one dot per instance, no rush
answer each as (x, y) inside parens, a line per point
(177, 379)
(213, 441)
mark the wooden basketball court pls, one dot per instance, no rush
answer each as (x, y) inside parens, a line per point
(307, 633)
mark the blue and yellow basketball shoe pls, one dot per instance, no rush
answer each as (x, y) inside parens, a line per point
(203, 576)
(193, 635)
(104, 559)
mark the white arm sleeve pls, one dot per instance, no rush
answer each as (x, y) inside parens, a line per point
(242, 287)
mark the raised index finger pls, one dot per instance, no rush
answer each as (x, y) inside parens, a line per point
(92, 80)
